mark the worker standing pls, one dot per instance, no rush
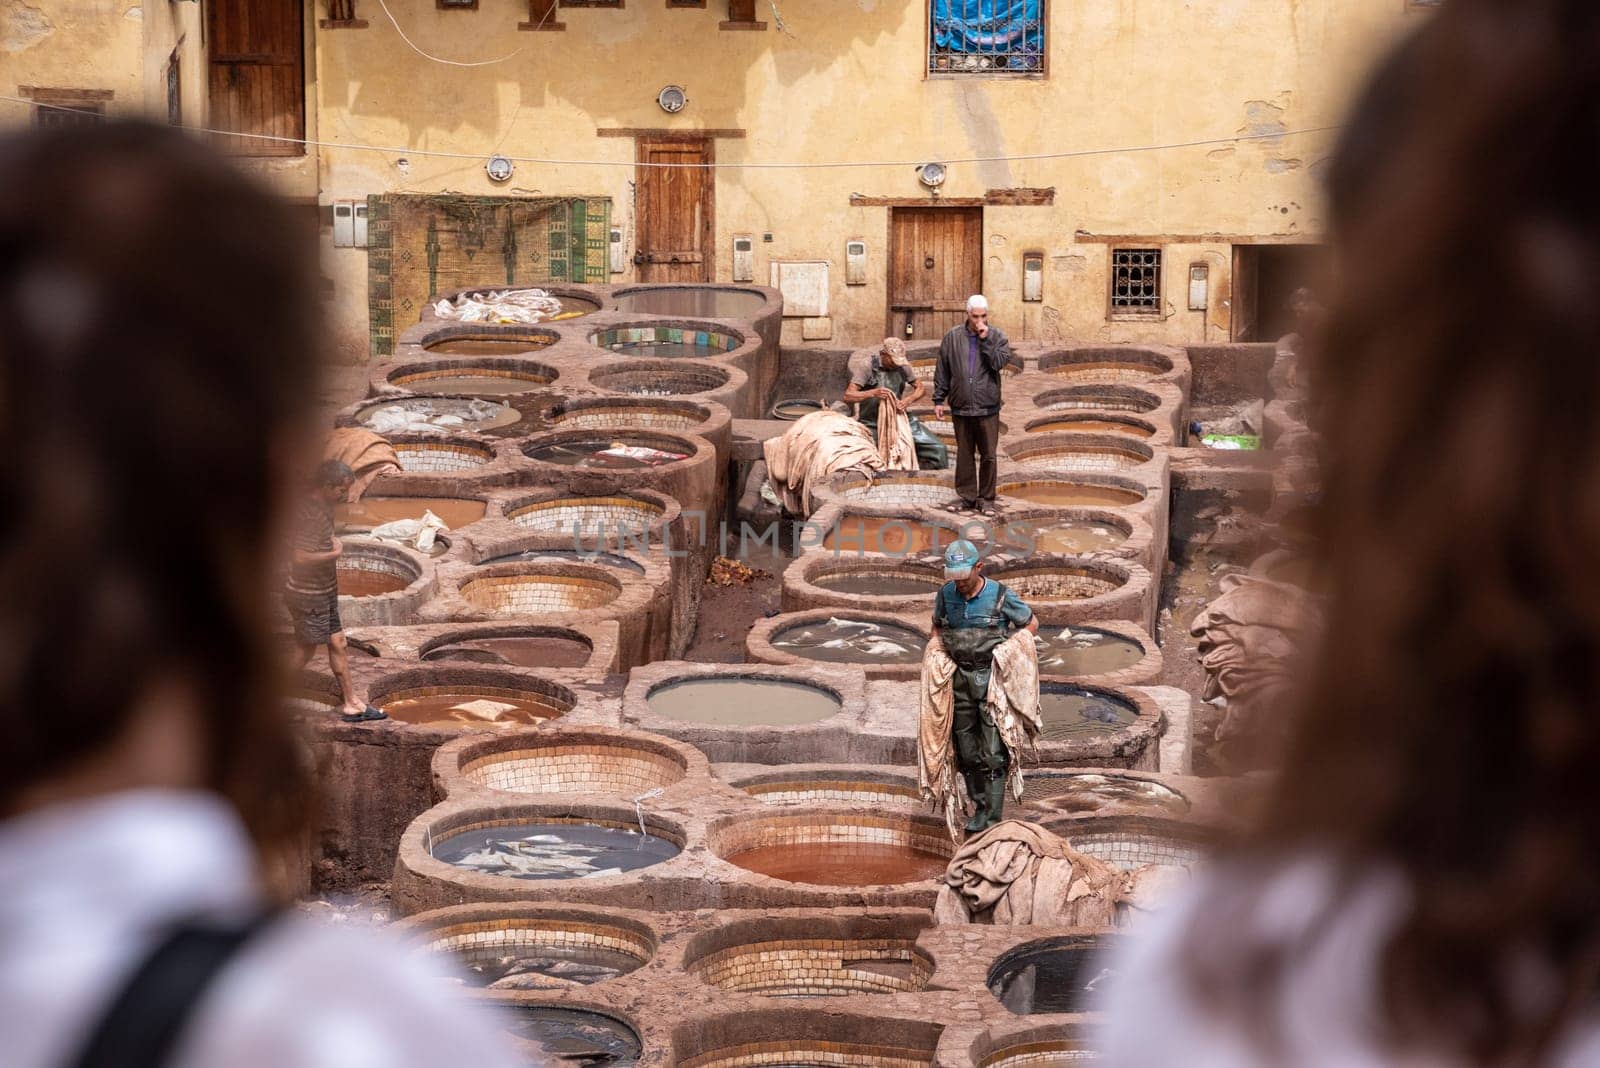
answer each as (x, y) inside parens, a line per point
(968, 378)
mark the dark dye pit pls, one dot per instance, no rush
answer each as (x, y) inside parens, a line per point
(371, 512)
(597, 453)
(532, 651)
(693, 302)
(842, 863)
(1069, 712)
(465, 708)
(1051, 978)
(665, 349)
(574, 1036)
(359, 582)
(1063, 535)
(537, 851)
(843, 640)
(878, 584)
(1085, 651)
(548, 966)
(735, 700)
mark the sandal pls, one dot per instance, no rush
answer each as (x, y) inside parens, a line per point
(960, 507)
(366, 715)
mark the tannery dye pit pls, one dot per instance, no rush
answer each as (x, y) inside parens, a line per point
(1085, 651)
(1052, 976)
(371, 512)
(699, 302)
(742, 701)
(613, 453)
(847, 864)
(536, 850)
(361, 582)
(1071, 712)
(879, 584)
(574, 1036)
(525, 651)
(852, 641)
(470, 708)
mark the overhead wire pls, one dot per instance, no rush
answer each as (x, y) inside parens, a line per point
(397, 150)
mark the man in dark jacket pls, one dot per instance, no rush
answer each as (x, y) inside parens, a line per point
(967, 378)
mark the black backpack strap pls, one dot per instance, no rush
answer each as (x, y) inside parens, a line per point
(146, 1018)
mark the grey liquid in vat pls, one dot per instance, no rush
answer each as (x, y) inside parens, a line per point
(600, 453)
(1085, 651)
(574, 1036)
(742, 701)
(669, 349)
(553, 850)
(548, 966)
(564, 555)
(531, 651)
(842, 640)
(422, 414)
(1051, 977)
(879, 584)
(1070, 712)
(693, 302)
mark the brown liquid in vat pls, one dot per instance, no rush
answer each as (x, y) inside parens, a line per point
(371, 512)
(525, 652)
(873, 534)
(1070, 714)
(842, 864)
(868, 584)
(358, 582)
(1064, 536)
(1102, 426)
(1093, 366)
(742, 701)
(484, 346)
(473, 385)
(1071, 493)
(470, 709)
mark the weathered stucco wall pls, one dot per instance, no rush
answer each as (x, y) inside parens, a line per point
(842, 81)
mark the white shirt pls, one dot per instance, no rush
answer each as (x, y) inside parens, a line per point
(84, 889)
(1327, 1009)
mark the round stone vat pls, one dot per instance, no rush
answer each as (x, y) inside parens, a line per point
(562, 554)
(879, 584)
(1092, 422)
(1082, 452)
(893, 489)
(567, 1034)
(661, 378)
(1026, 531)
(455, 699)
(613, 516)
(853, 533)
(1074, 712)
(473, 378)
(1046, 1047)
(1085, 490)
(539, 588)
(794, 409)
(440, 456)
(1054, 975)
(662, 341)
(787, 1038)
(512, 947)
(599, 450)
(887, 645)
(1136, 841)
(573, 760)
(574, 302)
(542, 844)
(437, 415)
(710, 302)
(1084, 651)
(863, 786)
(1088, 792)
(1098, 398)
(380, 584)
(1107, 365)
(629, 413)
(477, 339)
(836, 848)
(778, 956)
(742, 700)
(377, 509)
(523, 647)
(1062, 578)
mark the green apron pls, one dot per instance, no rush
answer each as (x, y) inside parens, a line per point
(979, 747)
(932, 454)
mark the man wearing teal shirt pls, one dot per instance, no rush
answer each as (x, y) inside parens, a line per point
(971, 616)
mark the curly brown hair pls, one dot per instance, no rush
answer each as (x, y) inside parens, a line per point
(1450, 724)
(160, 340)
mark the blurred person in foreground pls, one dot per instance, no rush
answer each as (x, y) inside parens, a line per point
(161, 339)
(1425, 888)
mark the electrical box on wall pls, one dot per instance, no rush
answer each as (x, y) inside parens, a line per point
(1199, 286)
(855, 263)
(360, 224)
(1033, 276)
(344, 224)
(619, 262)
(744, 258)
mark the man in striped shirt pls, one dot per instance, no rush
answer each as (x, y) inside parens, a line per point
(312, 592)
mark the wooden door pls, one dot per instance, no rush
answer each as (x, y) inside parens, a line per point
(256, 76)
(674, 211)
(935, 264)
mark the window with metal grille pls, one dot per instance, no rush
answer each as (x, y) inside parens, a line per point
(452, 5)
(1136, 281)
(986, 36)
(65, 113)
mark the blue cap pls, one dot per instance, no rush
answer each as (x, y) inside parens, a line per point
(959, 558)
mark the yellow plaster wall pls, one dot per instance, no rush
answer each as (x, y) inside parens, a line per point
(71, 44)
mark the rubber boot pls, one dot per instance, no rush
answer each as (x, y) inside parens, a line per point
(976, 783)
(994, 799)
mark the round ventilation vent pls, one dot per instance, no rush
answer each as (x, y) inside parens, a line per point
(672, 99)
